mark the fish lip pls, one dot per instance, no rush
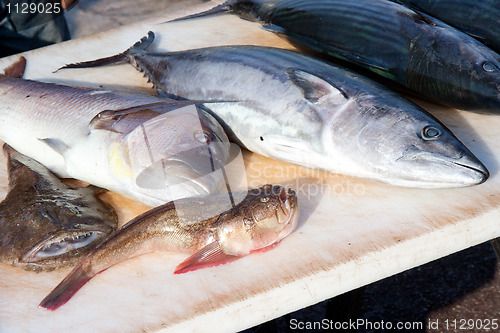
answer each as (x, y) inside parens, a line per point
(292, 214)
(30, 256)
(468, 161)
(188, 175)
(484, 172)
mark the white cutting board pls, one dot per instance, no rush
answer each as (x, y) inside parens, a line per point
(351, 232)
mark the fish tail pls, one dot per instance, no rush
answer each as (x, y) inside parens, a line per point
(16, 70)
(66, 289)
(137, 48)
(225, 7)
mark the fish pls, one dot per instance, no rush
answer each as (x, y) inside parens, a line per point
(296, 108)
(414, 50)
(478, 19)
(264, 217)
(150, 149)
(44, 224)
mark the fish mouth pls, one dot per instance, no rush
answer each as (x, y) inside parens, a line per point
(173, 172)
(287, 213)
(446, 171)
(61, 244)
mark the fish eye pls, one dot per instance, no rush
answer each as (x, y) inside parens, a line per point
(202, 137)
(430, 133)
(248, 222)
(489, 67)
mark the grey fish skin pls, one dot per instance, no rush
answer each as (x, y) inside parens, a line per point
(260, 221)
(419, 52)
(45, 225)
(296, 108)
(479, 19)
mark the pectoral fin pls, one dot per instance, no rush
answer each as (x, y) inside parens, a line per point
(275, 29)
(125, 120)
(210, 255)
(57, 145)
(315, 89)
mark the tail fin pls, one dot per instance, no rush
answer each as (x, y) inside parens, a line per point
(15, 70)
(66, 289)
(138, 47)
(222, 8)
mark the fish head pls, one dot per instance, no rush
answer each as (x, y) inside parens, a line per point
(56, 233)
(266, 216)
(179, 149)
(454, 69)
(409, 148)
(486, 77)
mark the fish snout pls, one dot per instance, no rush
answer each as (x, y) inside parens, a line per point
(288, 212)
(433, 169)
(476, 172)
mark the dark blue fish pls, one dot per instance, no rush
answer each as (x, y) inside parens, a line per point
(424, 54)
(480, 19)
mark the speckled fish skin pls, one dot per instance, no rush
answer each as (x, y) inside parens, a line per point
(296, 108)
(424, 54)
(479, 19)
(262, 219)
(50, 123)
(45, 225)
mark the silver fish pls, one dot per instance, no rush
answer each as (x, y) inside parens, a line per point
(260, 221)
(150, 149)
(46, 225)
(296, 108)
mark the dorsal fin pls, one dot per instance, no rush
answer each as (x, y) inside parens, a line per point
(15, 70)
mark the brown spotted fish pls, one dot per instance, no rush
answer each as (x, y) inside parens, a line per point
(264, 217)
(44, 224)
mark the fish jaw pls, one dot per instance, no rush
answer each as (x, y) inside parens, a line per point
(446, 171)
(64, 244)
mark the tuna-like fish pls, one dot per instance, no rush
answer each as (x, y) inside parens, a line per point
(151, 149)
(296, 108)
(422, 53)
(45, 225)
(479, 19)
(263, 218)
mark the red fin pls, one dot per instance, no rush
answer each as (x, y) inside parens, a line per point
(210, 255)
(66, 289)
(15, 70)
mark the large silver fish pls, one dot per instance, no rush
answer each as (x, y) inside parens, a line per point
(44, 224)
(296, 108)
(150, 149)
(261, 220)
